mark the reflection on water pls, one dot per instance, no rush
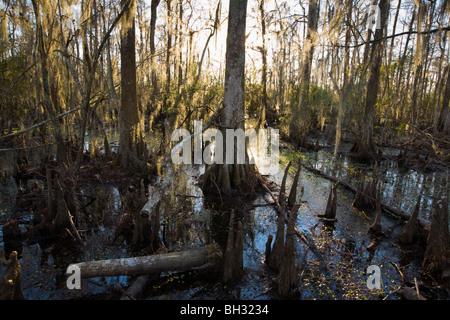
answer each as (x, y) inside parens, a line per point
(186, 222)
(400, 187)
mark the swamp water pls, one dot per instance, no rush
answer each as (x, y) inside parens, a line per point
(185, 222)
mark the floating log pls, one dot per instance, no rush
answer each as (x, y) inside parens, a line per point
(188, 260)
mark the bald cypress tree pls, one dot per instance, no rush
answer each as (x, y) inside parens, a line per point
(131, 142)
(231, 176)
(365, 146)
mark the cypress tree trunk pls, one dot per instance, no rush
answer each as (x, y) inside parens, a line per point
(152, 112)
(366, 146)
(262, 119)
(228, 177)
(438, 247)
(131, 141)
(61, 152)
(444, 118)
(288, 277)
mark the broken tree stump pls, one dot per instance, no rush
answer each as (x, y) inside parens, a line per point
(292, 199)
(365, 197)
(193, 259)
(134, 201)
(151, 209)
(282, 256)
(287, 280)
(409, 231)
(302, 236)
(330, 210)
(277, 251)
(10, 286)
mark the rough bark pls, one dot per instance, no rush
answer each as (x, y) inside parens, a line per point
(262, 119)
(444, 118)
(277, 251)
(365, 197)
(131, 140)
(437, 252)
(229, 177)
(287, 280)
(10, 286)
(176, 261)
(409, 231)
(330, 209)
(343, 92)
(282, 256)
(292, 199)
(233, 267)
(151, 209)
(367, 146)
(61, 152)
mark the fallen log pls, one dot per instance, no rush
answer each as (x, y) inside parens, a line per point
(384, 206)
(188, 260)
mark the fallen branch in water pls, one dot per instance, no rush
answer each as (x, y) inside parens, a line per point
(387, 208)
